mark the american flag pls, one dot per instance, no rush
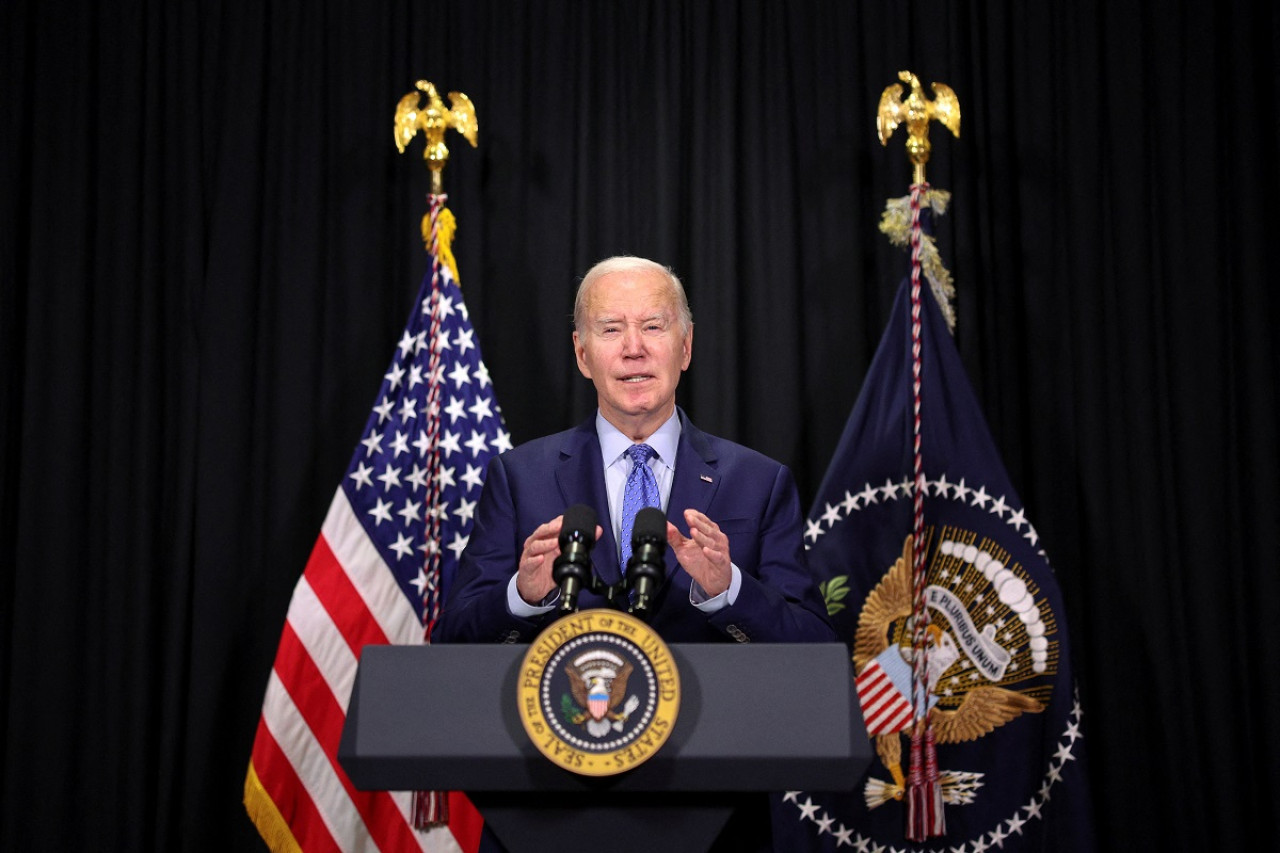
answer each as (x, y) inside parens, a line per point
(384, 559)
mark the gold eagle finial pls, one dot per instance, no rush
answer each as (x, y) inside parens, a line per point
(916, 111)
(434, 119)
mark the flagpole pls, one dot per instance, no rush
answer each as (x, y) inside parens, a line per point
(925, 817)
(431, 808)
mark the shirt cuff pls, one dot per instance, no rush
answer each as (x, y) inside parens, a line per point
(698, 596)
(519, 607)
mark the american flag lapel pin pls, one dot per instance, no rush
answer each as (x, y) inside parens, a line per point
(706, 478)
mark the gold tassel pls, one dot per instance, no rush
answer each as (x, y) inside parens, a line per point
(444, 240)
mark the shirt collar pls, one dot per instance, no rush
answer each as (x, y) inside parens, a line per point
(665, 440)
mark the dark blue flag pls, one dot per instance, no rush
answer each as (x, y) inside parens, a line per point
(1003, 705)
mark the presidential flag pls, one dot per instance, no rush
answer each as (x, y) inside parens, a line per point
(383, 562)
(1000, 700)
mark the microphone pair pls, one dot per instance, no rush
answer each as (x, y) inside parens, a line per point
(645, 570)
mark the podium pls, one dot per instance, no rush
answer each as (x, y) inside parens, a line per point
(752, 718)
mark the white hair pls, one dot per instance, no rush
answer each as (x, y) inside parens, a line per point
(630, 263)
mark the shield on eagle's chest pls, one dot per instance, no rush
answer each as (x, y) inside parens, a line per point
(598, 702)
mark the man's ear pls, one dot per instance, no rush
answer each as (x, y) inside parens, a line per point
(578, 353)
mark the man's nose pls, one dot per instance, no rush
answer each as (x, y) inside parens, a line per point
(632, 341)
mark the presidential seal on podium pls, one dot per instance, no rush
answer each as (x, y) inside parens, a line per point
(598, 692)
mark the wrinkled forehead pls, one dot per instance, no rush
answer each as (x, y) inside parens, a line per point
(630, 296)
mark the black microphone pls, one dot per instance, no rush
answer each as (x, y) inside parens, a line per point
(571, 568)
(647, 567)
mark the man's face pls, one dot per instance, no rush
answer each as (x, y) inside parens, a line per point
(633, 349)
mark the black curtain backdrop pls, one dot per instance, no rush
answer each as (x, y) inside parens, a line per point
(209, 245)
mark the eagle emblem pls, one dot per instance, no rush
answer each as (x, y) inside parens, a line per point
(434, 120)
(916, 111)
(972, 668)
(598, 684)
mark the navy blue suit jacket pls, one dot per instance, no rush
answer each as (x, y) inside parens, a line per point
(750, 496)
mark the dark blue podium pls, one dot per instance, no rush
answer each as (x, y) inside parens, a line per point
(752, 718)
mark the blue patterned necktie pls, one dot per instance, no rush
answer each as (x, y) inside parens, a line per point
(640, 491)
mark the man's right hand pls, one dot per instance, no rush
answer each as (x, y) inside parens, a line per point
(534, 579)
(533, 576)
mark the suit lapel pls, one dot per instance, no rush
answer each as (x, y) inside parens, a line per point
(579, 475)
(696, 480)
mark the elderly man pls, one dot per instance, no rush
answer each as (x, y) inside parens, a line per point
(734, 569)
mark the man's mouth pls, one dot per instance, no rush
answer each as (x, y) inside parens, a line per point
(639, 377)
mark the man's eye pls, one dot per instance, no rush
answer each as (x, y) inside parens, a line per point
(609, 331)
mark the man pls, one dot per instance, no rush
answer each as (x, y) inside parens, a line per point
(734, 529)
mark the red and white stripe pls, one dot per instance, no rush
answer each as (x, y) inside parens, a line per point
(884, 708)
(346, 598)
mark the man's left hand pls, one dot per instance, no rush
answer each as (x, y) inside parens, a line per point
(704, 553)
